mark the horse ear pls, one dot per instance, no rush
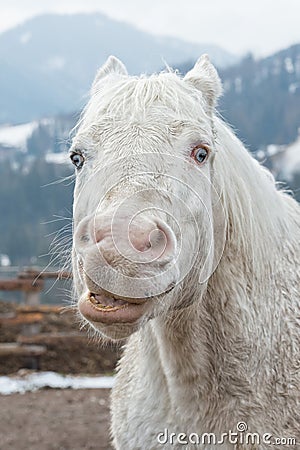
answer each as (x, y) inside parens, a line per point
(112, 65)
(205, 78)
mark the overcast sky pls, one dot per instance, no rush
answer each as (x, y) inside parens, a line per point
(260, 26)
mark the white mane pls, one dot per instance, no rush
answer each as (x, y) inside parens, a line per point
(260, 217)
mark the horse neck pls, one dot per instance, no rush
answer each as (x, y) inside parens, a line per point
(212, 348)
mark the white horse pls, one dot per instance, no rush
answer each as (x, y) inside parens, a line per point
(183, 244)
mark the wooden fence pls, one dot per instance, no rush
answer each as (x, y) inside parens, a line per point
(29, 315)
(31, 281)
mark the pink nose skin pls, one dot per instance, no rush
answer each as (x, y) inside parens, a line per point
(139, 239)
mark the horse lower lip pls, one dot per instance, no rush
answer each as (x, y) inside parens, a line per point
(94, 311)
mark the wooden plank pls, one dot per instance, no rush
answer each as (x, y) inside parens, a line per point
(15, 349)
(22, 319)
(37, 274)
(8, 315)
(52, 338)
(44, 309)
(21, 285)
(60, 275)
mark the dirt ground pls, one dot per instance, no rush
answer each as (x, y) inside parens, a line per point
(55, 420)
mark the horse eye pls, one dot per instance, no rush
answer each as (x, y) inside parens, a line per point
(200, 153)
(77, 159)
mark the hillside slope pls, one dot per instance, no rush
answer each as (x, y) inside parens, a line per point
(48, 63)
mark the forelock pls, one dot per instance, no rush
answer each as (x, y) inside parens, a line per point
(134, 98)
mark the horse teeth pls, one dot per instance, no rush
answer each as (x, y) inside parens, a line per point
(92, 298)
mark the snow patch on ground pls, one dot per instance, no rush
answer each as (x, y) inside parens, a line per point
(16, 135)
(25, 37)
(272, 149)
(57, 158)
(293, 87)
(39, 380)
(292, 159)
(56, 63)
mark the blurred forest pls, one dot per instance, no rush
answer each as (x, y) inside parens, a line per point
(262, 97)
(35, 203)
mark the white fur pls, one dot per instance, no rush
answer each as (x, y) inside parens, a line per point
(227, 351)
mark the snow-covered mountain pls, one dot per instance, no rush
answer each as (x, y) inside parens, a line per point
(262, 97)
(16, 136)
(291, 164)
(284, 160)
(48, 63)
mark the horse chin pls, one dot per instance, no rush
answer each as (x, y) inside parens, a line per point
(116, 331)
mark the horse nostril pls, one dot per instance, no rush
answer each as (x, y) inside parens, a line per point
(98, 233)
(141, 239)
(157, 238)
